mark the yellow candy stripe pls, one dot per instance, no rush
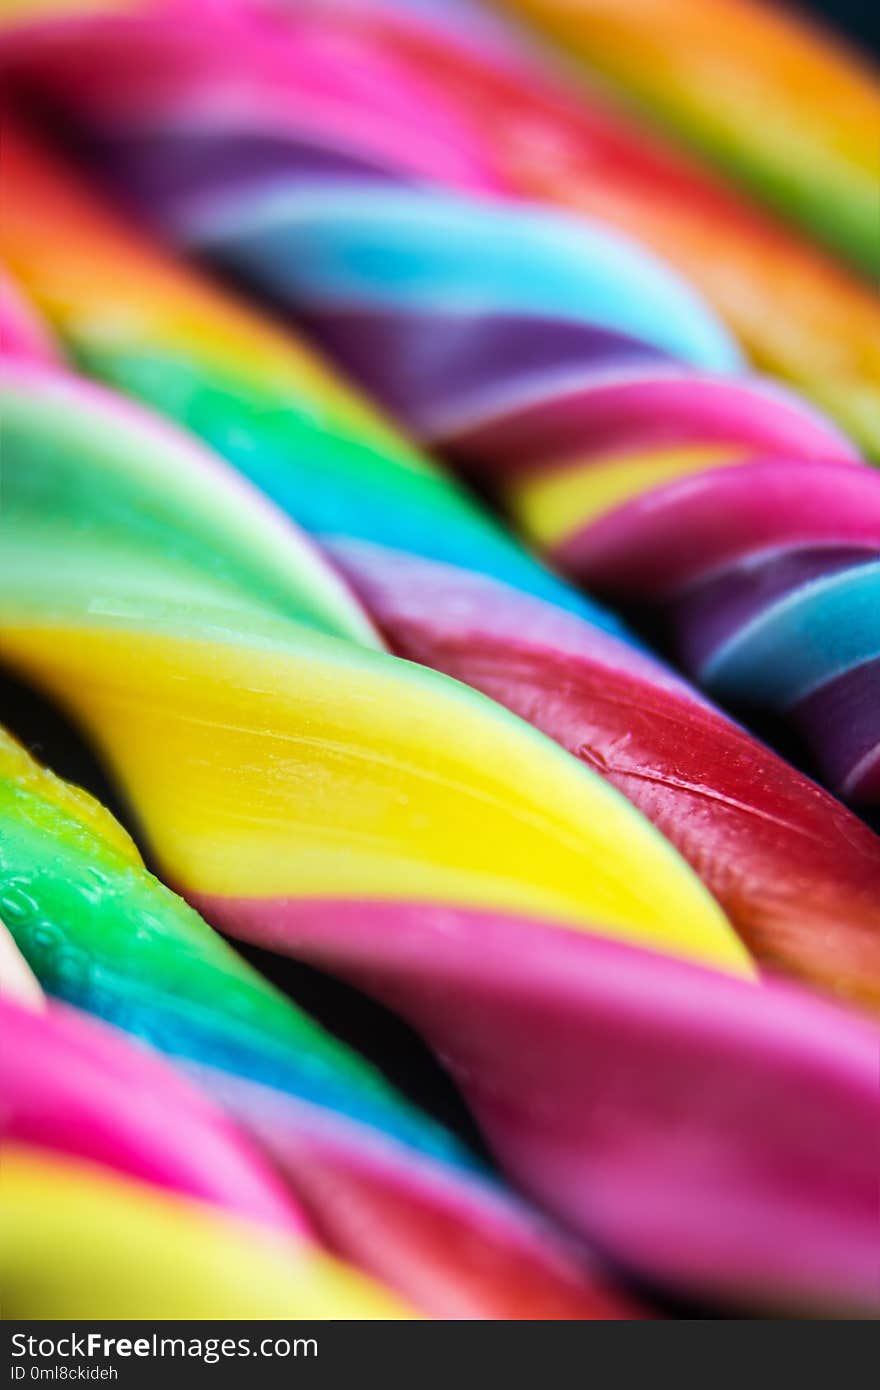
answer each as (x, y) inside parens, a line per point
(557, 502)
(69, 1229)
(319, 769)
(25, 10)
(17, 765)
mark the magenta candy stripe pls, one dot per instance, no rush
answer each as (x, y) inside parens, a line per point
(71, 1084)
(22, 335)
(689, 1120)
(185, 68)
(628, 410)
(694, 527)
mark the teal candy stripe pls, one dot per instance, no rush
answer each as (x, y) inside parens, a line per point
(90, 467)
(811, 637)
(399, 248)
(333, 483)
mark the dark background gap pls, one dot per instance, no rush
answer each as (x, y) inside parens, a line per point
(857, 20)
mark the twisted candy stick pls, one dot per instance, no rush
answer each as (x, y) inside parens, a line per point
(178, 596)
(823, 693)
(70, 1087)
(81, 1109)
(747, 1119)
(774, 100)
(558, 379)
(75, 1087)
(499, 818)
(478, 985)
(796, 312)
(689, 986)
(507, 122)
(387, 1190)
(322, 734)
(798, 875)
(69, 1229)
(730, 1145)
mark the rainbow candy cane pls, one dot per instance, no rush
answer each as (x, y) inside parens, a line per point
(564, 388)
(125, 641)
(132, 573)
(157, 594)
(799, 876)
(385, 1189)
(76, 1087)
(250, 738)
(101, 1146)
(763, 1084)
(507, 122)
(795, 311)
(77, 1101)
(754, 1136)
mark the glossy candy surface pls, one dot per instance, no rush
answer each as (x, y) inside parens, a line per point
(797, 874)
(420, 293)
(104, 935)
(249, 1037)
(68, 1230)
(495, 114)
(74, 1087)
(740, 1158)
(312, 793)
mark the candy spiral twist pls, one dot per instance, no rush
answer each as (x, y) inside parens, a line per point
(84, 1155)
(321, 797)
(594, 395)
(364, 1173)
(239, 693)
(110, 1161)
(496, 116)
(797, 874)
(182, 651)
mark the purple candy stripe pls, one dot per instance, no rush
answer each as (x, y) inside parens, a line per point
(711, 613)
(461, 606)
(424, 365)
(845, 713)
(177, 165)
